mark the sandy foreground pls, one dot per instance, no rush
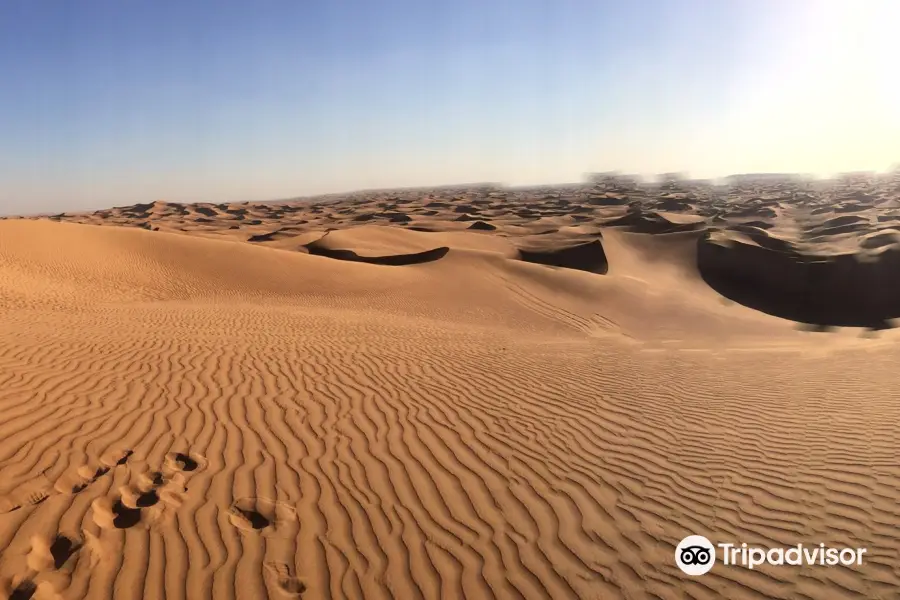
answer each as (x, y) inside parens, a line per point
(451, 394)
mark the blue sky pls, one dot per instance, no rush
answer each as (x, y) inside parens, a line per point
(114, 102)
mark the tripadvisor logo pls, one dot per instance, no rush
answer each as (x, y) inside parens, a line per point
(696, 555)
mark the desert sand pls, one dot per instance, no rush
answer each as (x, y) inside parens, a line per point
(472, 392)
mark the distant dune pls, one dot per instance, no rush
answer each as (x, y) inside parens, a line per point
(366, 396)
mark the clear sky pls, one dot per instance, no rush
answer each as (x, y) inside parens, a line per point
(111, 102)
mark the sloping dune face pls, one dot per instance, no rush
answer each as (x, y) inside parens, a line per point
(210, 418)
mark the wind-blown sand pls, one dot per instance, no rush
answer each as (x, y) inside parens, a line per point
(458, 393)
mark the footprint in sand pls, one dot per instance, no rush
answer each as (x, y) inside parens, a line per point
(184, 462)
(172, 496)
(30, 494)
(116, 457)
(265, 517)
(46, 558)
(78, 478)
(134, 497)
(37, 497)
(284, 580)
(247, 519)
(51, 553)
(71, 483)
(168, 489)
(149, 490)
(111, 513)
(149, 480)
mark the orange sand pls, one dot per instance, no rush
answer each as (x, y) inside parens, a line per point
(539, 406)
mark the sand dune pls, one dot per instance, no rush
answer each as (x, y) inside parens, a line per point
(317, 405)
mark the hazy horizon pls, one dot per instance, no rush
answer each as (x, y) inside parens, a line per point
(113, 104)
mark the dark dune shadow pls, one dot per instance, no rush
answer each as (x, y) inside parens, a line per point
(639, 221)
(842, 221)
(754, 212)
(135, 207)
(839, 291)
(852, 208)
(482, 226)
(263, 237)
(880, 239)
(672, 205)
(764, 239)
(390, 260)
(607, 201)
(208, 212)
(838, 230)
(588, 257)
(277, 234)
(396, 217)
